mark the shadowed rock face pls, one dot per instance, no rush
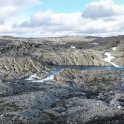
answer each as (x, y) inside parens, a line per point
(73, 96)
(75, 57)
(119, 54)
(17, 68)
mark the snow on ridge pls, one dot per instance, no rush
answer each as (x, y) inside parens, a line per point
(109, 58)
(114, 48)
(73, 47)
(32, 77)
(95, 43)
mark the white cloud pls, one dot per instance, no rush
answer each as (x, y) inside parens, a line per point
(50, 18)
(103, 17)
(102, 8)
(9, 8)
(54, 23)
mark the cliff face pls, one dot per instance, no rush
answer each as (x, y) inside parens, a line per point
(32, 94)
(17, 68)
(119, 54)
(74, 57)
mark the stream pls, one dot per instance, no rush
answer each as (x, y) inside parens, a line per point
(58, 69)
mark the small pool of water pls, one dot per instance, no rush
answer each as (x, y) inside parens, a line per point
(57, 69)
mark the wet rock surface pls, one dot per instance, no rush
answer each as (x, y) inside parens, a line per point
(71, 96)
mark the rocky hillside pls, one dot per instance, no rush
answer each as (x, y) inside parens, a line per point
(35, 89)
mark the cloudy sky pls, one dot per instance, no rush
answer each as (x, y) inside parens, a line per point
(37, 18)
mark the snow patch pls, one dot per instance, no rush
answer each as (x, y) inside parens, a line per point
(109, 58)
(119, 107)
(32, 77)
(95, 43)
(49, 78)
(114, 48)
(73, 47)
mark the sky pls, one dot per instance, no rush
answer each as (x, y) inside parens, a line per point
(39, 18)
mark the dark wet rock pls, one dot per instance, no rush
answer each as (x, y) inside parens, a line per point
(5, 89)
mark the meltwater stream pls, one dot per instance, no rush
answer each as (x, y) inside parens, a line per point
(58, 69)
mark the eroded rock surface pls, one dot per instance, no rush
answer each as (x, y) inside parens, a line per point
(73, 96)
(75, 57)
(17, 68)
(119, 54)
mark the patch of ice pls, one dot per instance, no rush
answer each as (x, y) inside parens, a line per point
(115, 64)
(95, 43)
(49, 78)
(32, 77)
(109, 58)
(119, 107)
(73, 47)
(2, 115)
(114, 48)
